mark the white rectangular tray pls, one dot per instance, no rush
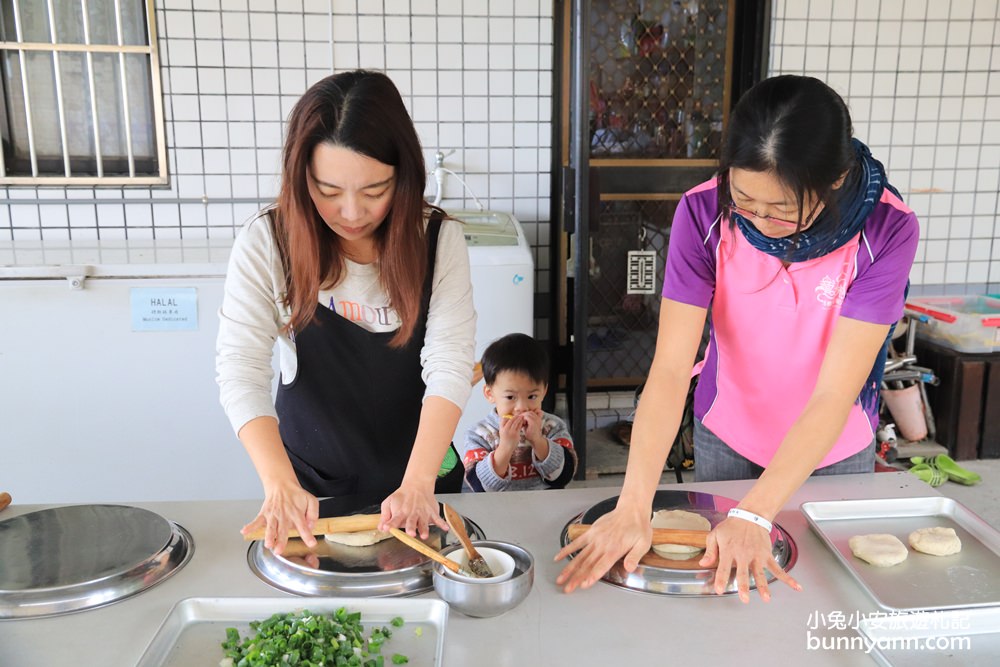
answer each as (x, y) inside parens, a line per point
(193, 631)
(970, 578)
(967, 637)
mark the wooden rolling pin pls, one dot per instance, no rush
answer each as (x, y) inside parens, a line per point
(331, 524)
(690, 538)
(4, 500)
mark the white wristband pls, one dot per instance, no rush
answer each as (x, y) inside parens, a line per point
(738, 513)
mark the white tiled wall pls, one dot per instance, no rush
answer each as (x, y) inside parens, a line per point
(922, 79)
(476, 76)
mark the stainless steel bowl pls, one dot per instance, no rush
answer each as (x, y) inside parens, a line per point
(485, 599)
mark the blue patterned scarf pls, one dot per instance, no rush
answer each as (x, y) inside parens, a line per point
(854, 203)
(857, 198)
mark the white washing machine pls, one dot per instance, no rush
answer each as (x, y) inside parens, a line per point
(503, 290)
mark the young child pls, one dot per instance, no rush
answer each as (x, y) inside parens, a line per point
(517, 447)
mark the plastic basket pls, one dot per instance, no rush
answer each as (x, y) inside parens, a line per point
(962, 323)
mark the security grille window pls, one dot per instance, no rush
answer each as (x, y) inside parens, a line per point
(627, 255)
(81, 93)
(657, 78)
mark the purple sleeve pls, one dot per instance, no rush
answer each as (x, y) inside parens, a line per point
(690, 273)
(885, 256)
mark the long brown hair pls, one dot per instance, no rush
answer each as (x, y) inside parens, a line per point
(363, 112)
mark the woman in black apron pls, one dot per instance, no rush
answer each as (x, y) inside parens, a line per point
(341, 270)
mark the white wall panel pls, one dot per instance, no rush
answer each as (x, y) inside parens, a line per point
(923, 85)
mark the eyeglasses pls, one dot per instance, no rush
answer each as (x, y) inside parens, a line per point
(770, 218)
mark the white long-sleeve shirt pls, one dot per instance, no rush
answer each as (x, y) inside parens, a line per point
(253, 315)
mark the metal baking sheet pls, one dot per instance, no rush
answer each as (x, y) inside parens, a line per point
(968, 637)
(193, 631)
(681, 577)
(970, 578)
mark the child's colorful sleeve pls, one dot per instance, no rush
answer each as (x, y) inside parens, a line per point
(478, 462)
(482, 477)
(559, 473)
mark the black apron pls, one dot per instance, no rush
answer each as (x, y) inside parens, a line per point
(349, 418)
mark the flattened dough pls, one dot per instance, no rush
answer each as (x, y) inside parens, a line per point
(879, 549)
(681, 520)
(362, 538)
(937, 541)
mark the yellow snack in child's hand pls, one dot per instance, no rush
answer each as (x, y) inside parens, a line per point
(508, 416)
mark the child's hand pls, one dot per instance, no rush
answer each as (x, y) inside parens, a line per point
(532, 425)
(533, 433)
(510, 431)
(510, 435)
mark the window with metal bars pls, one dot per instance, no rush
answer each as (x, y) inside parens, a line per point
(658, 78)
(622, 321)
(81, 97)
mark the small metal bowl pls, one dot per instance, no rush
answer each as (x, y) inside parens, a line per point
(483, 599)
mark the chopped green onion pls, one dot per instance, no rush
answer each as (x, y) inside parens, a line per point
(305, 639)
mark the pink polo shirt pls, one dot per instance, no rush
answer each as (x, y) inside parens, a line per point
(771, 325)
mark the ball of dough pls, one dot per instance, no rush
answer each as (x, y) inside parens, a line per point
(680, 520)
(937, 541)
(879, 549)
(361, 538)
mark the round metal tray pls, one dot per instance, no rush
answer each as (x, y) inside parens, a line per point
(682, 577)
(385, 569)
(66, 559)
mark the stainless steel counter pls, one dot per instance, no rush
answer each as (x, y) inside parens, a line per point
(601, 626)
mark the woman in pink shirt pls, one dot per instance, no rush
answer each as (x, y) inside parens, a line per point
(802, 250)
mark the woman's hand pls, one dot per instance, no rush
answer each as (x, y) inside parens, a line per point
(286, 506)
(621, 532)
(412, 508)
(739, 544)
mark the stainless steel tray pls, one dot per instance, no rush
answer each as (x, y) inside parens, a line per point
(970, 578)
(388, 568)
(682, 577)
(67, 559)
(967, 637)
(193, 631)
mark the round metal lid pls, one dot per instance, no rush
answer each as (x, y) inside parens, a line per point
(66, 559)
(385, 569)
(662, 576)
